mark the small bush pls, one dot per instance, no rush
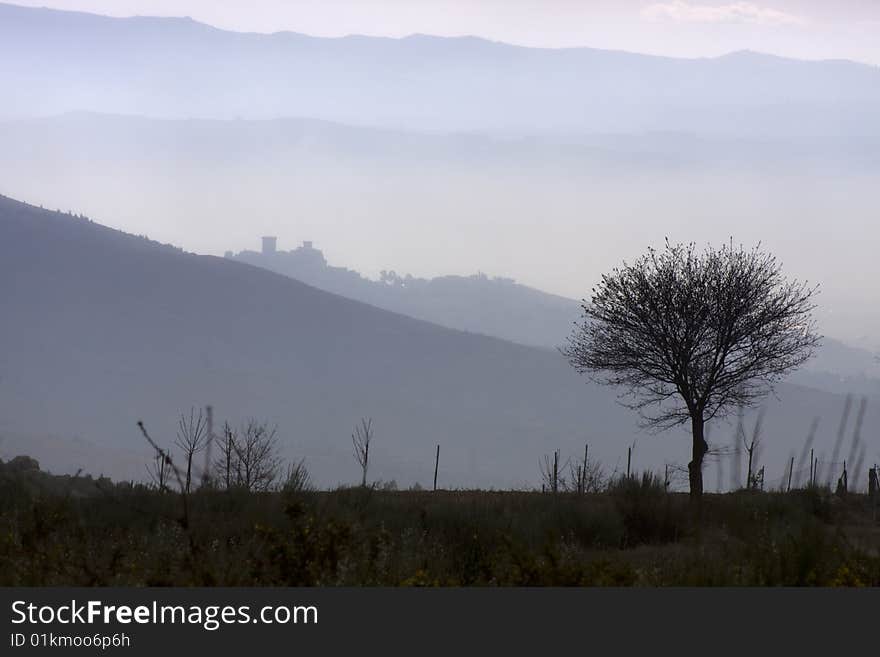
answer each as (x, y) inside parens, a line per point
(648, 512)
(297, 479)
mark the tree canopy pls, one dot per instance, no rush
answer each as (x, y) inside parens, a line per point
(694, 334)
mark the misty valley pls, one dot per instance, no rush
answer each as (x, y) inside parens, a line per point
(291, 310)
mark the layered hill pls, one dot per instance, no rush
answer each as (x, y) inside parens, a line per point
(101, 329)
(176, 67)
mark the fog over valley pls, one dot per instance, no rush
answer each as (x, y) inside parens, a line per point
(438, 207)
(553, 214)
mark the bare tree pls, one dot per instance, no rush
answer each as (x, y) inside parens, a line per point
(160, 470)
(753, 449)
(192, 437)
(361, 439)
(551, 471)
(586, 476)
(225, 462)
(258, 463)
(249, 457)
(692, 335)
(207, 475)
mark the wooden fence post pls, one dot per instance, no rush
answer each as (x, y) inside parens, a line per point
(584, 471)
(556, 471)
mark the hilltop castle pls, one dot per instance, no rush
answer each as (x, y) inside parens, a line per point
(306, 255)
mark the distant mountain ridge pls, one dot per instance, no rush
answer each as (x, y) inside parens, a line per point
(178, 68)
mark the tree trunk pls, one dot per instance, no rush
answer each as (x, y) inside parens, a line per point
(749, 481)
(695, 467)
(365, 463)
(189, 463)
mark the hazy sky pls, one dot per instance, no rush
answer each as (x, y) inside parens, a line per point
(808, 29)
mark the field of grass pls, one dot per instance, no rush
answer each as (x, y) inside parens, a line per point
(80, 531)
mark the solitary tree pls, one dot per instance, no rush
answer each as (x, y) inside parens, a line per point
(692, 335)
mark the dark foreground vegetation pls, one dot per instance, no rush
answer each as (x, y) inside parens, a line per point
(61, 530)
